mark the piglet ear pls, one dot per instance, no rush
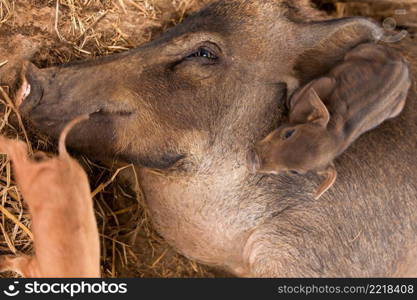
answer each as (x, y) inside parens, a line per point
(307, 105)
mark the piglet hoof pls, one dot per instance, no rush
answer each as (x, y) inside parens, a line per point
(331, 174)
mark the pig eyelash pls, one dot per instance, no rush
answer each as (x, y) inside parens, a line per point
(203, 52)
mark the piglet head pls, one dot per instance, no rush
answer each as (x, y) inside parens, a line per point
(303, 143)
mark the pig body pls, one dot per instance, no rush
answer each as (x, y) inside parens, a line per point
(370, 87)
(65, 231)
(330, 113)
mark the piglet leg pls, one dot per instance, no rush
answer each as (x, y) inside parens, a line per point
(331, 174)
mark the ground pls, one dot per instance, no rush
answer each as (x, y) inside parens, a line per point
(52, 32)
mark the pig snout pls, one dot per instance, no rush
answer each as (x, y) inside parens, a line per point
(33, 82)
(261, 160)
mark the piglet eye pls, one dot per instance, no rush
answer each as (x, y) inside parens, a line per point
(287, 134)
(294, 172)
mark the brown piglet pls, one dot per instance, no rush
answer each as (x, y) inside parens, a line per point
(327, 115)
(57, 191)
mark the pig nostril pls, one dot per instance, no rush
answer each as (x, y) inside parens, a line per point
(30, 93)
(26, 92)
(23, 92)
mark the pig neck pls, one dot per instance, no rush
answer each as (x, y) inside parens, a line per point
(189, 207)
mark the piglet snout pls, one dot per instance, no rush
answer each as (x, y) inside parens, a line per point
(253, 161)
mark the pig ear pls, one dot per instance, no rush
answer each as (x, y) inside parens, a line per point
(325, 43)
(308, 107)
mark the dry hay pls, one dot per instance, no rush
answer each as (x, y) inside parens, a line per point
(61, 31)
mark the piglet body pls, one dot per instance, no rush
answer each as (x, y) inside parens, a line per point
(370, 87)
(328, 114)
(58, 195)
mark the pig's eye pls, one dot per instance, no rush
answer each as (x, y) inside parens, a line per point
(204, 54)
(288, 134)
(294, 172)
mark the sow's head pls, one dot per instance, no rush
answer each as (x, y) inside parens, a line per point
(204, 81)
